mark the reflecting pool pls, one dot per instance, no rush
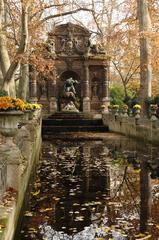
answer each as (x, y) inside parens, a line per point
(90, 190)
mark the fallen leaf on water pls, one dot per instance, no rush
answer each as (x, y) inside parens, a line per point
(28, 214)
(157, 226)
(42, 210)
(76, 204)
(100, 238)
(142, 236)
(32, 230)
(35, 193)
(80, 218)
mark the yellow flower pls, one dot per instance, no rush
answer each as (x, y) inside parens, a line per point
(115, 106)
(136, 106)
(36, 106)
(8, 103)
(28, 106)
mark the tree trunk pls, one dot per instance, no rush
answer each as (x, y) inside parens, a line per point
(8, 78)
(23, 82)
(4, 65)
(125, 92)
(145, 53)
(4, 56)
(1, 78)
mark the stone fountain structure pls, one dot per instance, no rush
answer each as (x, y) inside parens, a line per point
(73, 57)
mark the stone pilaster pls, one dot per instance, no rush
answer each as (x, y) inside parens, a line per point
(52, 94)
(33, 84)
(86, 90)
(105, 99)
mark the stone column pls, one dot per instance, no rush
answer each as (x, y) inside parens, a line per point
(105, 99)
(52, 93)
(86, 90)
(33, 84)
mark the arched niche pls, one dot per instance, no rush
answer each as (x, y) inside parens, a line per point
(95, 88)
(68, 74)
(63, 77)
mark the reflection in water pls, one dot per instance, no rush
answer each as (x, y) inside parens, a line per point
(91, 190)
(146, 198)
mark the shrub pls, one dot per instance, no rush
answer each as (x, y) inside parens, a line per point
(116, 95)
(156, 99)
(3, 93)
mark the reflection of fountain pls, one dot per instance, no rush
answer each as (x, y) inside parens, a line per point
(85, 209)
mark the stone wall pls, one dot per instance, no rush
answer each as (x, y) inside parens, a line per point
(144, 129)
(17, 164)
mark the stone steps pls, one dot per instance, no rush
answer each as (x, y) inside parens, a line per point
(65, 123)
(72, 122)
(52, 129)
(73, 115)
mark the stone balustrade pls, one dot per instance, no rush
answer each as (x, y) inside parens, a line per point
(17, 163)
(140, 128)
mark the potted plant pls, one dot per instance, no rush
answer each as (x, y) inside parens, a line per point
(137, 107)
(124, 110)
(153, 111)
(115, 109)
(11, 111)
(102, 107)
(110, 107)
(137, 110)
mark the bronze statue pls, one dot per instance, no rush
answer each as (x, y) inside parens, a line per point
(69, 85)
(69, 99)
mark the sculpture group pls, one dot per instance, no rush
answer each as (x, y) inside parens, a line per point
(68, 101)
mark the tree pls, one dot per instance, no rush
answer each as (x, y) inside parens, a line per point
(145, 52)
(119, 35)
(8, 69)
(33, 15)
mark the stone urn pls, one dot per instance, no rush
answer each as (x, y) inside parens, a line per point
(103, 107)
(125, 112)
(31, 114)
(115, 112)
(153, 112)
(137, 113)
(34, 113)
(9, 121)
(26, 115)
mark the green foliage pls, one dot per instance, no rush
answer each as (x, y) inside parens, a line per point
(132, 102)
(117, 95)
(156, 99)
(149, 101)
(3, 93)
(152, 100)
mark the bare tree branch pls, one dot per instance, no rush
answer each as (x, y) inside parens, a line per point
(65, 14)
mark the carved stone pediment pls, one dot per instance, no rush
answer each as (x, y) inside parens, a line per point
(70, 39)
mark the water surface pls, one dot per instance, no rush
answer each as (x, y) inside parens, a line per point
(87, 190)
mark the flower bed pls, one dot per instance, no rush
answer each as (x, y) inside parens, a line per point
(9, 104)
